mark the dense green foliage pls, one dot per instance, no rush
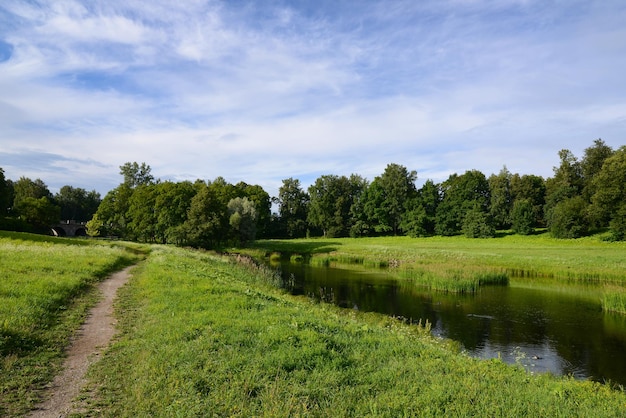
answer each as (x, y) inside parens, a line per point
(27, 205)
(202, 336)
(583, 197)
(46, 287)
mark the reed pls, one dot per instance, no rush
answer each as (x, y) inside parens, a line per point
(614, 301)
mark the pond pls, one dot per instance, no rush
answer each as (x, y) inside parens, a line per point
(544, 326)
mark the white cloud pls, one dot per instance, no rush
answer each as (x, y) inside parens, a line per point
(264, 92)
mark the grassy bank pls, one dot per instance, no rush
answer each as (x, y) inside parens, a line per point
(460, 264)
(201, 336)
(46, 287)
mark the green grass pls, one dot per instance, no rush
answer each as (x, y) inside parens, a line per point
(460, 263)
(46, 287)
(202, 336)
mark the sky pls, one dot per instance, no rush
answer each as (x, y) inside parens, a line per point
(261, 91)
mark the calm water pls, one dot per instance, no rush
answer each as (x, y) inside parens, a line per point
(544, 328)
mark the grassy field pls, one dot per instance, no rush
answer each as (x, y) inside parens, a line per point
(462, 264)
(202, 336)
(46, 287)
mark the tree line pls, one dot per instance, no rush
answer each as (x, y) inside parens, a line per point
(27, 205)
(583, 196)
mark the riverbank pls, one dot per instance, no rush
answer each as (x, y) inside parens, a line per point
(462, 264)
(204, 336)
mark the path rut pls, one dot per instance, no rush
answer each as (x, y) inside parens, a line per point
(89, 342)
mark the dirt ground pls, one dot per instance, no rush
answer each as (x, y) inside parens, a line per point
(87, 346)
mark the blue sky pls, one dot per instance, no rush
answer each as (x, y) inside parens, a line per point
(260, 91)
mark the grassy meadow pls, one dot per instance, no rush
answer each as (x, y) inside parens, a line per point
(460, 264)
(205, 335)
(46, 288)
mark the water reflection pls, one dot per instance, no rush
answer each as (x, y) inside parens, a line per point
(546, 329)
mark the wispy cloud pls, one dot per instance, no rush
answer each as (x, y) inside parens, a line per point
(264, 91)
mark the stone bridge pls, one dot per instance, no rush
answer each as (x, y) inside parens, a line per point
(70, 229)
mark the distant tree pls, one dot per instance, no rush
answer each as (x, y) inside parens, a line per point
(171, 206)
(477, 223)
(460, 195)
(421, 211)
(609, 199)
(41, 213)
(567, 219)
(25, 188)
(94, 226)
(141, 215)
(113, 211)
(76, 203)
(243, 218)
(563, 193)
(387, 196)
(523, 217)
(532, 188)
(293, 205)
(501, 198)
(263, 206)
(203, 227)
(6, 198)
(592, 163)
(332, 200)
(136, 175)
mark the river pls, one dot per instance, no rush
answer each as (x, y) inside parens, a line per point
(542, 325)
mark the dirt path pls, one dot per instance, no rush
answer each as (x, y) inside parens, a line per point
(91, 339)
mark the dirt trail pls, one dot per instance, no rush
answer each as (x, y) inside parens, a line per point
(93, 336)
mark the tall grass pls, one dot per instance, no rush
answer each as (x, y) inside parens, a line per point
(462, 264)
(202, 336)
(45, 290)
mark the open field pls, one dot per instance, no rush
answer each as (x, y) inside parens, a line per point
(462, 264)
(46, 287)
(202, 336)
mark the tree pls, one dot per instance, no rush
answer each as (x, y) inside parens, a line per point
(567, 219)
(592, 163)
(76, 203)
(421, 211)
(94, 226)
(387, 196)
(113, 211)
(501, 199)
(563, 193)
(292, 208)
(263, 205)
(41, 213)
(6, 192)
(332, 199)
(608, 203)
(523, 217)
(243, 217)
(531, 188)
(203, 227)
(25, 188)
(477, 223)
(136, 175)
(141, 215)
(460, 195)
(171, 206)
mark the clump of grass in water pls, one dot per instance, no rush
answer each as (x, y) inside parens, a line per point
(614, 302)
(455, 280)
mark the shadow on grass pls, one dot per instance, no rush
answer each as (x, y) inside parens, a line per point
(296, 247)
